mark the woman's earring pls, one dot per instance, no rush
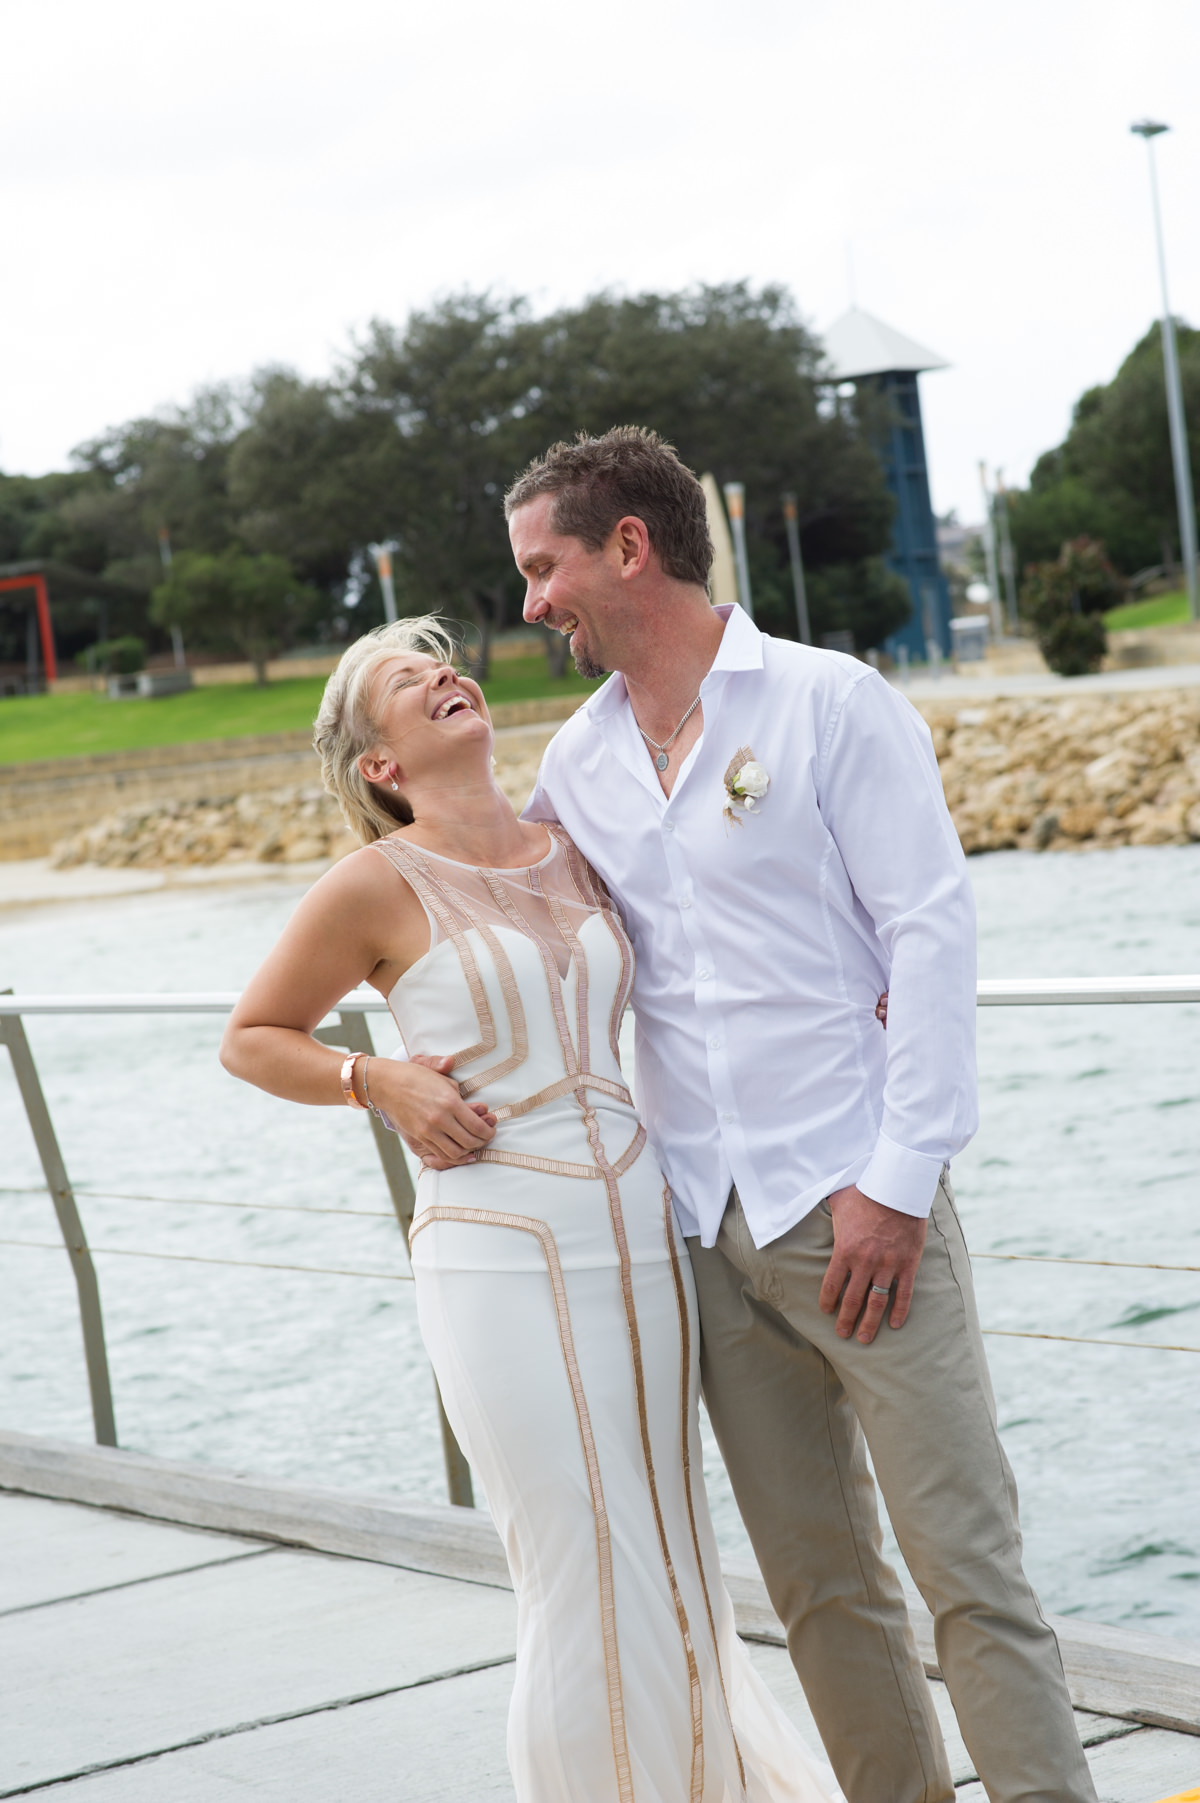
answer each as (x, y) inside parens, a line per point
(395, 785)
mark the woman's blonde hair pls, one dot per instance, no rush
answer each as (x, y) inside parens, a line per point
(344, 729)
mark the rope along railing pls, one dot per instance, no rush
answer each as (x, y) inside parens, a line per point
(353, 1033)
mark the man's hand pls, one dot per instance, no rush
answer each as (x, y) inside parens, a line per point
(422, 1099)
(872, 1246)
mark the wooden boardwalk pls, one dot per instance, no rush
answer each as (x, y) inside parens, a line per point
(170, 1634)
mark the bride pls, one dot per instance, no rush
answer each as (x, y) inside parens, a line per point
(553, 1292)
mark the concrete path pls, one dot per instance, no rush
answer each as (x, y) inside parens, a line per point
(1042, 683)
(147, 1662)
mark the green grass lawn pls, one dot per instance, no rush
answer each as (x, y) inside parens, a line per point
(58, 726)
(1160, 610)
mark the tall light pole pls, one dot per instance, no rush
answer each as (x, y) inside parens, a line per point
(1007, 562)
(1149, 129)
(735, 504)
(801, 593)
(382, 555)
(164, 552)
(989, 552)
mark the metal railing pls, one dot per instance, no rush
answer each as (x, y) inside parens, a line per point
(351, 1031)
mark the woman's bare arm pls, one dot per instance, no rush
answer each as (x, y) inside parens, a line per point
(360, 922)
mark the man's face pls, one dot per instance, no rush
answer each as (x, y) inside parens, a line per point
(568, 588)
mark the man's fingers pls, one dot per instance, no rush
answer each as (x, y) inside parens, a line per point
(905, 1284)
(836, 1273)
(876, 1307)
(853, 1298)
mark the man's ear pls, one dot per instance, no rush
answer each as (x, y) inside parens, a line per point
(633, 544)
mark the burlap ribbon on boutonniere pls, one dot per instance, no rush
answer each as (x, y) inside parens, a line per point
(746, 783)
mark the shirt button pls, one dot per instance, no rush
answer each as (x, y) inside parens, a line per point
(726, 1117)
(703, 975)
(685, 902)
(668, 826)
(715, 1044)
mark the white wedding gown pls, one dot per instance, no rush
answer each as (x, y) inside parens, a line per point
(555, 1299)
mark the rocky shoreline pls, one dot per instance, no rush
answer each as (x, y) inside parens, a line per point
(1056, 774)
(1039, 774)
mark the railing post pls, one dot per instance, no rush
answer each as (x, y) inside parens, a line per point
(12, 1034)
(355, 1035)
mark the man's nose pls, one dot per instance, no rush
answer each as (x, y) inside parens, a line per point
(535, 609)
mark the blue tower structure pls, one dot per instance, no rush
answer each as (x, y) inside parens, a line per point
(861, 349)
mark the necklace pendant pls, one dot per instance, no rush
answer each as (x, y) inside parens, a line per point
(662, 760)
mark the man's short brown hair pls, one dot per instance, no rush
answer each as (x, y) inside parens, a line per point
(630, 470)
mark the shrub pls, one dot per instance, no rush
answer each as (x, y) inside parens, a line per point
(114, 657)
(1074, 644)
(1064, 601)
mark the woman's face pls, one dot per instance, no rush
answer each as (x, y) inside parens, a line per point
(428, 715)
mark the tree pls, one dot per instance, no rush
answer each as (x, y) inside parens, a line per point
(456, 388)
(232, 598)
(417, 437)
(477, 387)
(1112, 476)
(1065, 600)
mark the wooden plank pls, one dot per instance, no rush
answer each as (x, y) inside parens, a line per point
(140, 1670)
(59, 1549)
(1143, 1767)
(1112, 1671)
(452, 1542)
(775, 1668)
(439, 1743)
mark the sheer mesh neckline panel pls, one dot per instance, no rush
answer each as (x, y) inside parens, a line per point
(543, 901)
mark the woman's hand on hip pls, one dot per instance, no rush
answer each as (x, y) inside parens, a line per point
(423, 1102)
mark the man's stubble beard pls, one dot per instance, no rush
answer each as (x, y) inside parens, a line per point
(588, 668)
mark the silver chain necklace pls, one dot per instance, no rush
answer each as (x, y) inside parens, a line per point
(662, 760)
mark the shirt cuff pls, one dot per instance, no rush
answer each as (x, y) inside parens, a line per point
(900, 1179)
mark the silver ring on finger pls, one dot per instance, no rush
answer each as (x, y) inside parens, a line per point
(877, 1289)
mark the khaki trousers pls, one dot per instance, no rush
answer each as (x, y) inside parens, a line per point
(790, 1404)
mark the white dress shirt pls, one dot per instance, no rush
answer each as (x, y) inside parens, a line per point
(763, 943)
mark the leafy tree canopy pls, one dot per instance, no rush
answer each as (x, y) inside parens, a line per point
(1112, 477)
(230, 599)
(418, 435)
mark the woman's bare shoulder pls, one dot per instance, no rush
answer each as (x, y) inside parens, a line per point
(361, 878)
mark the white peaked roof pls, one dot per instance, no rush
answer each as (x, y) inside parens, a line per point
(858, 344)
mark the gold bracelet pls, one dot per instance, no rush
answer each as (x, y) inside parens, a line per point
(348, 1065)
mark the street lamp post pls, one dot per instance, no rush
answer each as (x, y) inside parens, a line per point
(382, 555)
(989, 551)
(801, 593)
(1007, 561)
(1149, 129)
(735, 503)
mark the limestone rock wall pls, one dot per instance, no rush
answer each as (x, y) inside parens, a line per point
(291, 825)
(1096, 768)
(1049, 773)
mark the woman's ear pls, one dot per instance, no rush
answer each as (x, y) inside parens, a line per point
(379, 766)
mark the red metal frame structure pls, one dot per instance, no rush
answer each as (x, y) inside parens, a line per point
(38, 584)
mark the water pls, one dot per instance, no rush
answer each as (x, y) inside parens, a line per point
(1090, 1148)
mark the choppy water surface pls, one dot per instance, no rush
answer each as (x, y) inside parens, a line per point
(1089, 1149)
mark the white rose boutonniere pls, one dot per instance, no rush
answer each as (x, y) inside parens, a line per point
(746, 783)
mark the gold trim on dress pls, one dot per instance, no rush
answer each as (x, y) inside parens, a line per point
(432, 893)
(591, 1459)
(685, 1453)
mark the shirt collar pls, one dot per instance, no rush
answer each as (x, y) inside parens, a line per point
(740, 649)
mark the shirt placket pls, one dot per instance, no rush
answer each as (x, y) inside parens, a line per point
(706, 991)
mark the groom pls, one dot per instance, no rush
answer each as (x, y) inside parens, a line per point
(806, 1149)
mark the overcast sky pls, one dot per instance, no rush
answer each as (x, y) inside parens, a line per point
(193, 190)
